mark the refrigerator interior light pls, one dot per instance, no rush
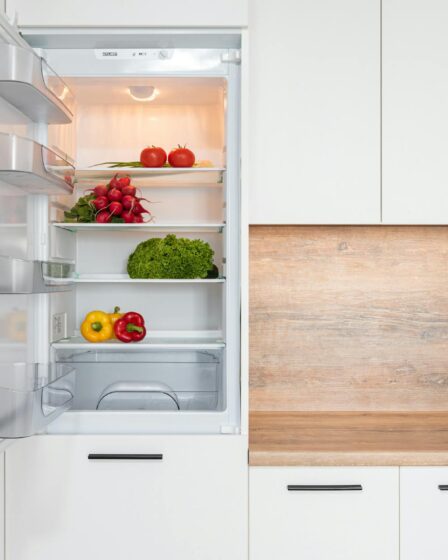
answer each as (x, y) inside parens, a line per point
(143, 93)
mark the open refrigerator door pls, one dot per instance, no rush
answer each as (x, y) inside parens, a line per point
(31, 393)
(184, 376)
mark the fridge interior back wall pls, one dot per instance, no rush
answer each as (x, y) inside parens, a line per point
(184, 378)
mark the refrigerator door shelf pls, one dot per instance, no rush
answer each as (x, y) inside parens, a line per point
(19, 276)
(32, 396)
(30, 85)
(34, 168)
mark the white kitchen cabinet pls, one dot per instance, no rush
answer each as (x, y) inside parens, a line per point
(314, 135)
(424, 512)
(311, 523)
(135, 13)
(189, 505)
(415, 111)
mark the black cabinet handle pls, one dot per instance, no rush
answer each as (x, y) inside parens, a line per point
(125, 456)
(443, 487)
(324, 487)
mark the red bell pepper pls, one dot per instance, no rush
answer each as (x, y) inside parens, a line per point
(130, 328)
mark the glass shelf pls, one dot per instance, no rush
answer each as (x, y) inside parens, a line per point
(175, 228)
(151, 342)
(124, 279)
(213, 175)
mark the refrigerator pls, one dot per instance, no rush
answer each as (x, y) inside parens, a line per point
(71, 101)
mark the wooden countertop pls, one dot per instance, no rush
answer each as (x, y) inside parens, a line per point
(348, 438)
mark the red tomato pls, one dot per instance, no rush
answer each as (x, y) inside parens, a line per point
(181, 157)
(153, 157)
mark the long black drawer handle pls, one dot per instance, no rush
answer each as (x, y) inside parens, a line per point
(324, 487)
(126, 456)
(443, 487)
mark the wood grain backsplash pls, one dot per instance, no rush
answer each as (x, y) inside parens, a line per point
(348, 318)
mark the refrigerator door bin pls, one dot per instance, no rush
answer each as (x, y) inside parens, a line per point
(18, 276)
(32, 167)
(30, 85)
(33, 395)
(157, 380)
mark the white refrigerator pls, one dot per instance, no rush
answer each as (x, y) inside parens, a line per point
(70, 101)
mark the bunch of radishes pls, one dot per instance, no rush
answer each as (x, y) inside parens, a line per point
(118, 202)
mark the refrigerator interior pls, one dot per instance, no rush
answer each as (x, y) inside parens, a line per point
(184, 378)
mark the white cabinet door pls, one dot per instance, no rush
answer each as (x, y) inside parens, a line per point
(310, 523)
(136, 13)
(424, 513)
(415, 111)
(314, 130)
(189, 505)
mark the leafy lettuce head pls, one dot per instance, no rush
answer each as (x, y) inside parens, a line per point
(171, 257)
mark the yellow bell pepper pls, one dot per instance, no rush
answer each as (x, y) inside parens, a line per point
(114, 318)
(97, 327)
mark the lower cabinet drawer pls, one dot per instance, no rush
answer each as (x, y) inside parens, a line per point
(324, 513)
(127, 498)
(424, 513)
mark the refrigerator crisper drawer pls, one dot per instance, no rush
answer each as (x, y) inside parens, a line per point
(34, 168)
(32, 395)
(30, 85)
(171, 381)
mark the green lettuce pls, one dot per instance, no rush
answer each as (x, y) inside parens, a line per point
(171, 257)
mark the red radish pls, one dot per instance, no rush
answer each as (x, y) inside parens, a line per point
(103, 217)
(128, 217)
(129, 190)
(124, 181)
(114, 194)
(139, 209)
(100, 202)
(100, 190)
(138, 219)
(115, 182)
(128, 201)
(115, 208)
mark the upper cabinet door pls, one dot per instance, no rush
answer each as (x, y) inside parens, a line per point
(139, 13)
(415, 111)
(314, 130)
